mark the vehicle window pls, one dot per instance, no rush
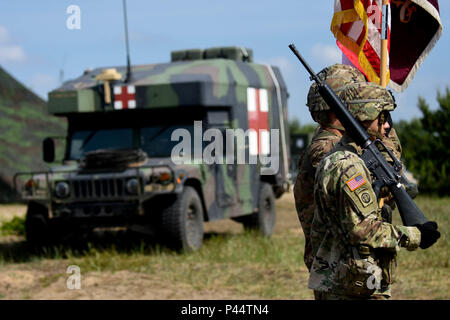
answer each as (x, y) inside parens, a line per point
(156, 140)
(218, 119)
(91, 140)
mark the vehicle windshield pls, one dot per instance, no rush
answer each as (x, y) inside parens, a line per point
(91, 140)
(154, 140)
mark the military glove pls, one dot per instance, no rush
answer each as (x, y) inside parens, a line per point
(429, 234)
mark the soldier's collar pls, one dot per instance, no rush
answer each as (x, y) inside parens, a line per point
(349, 142)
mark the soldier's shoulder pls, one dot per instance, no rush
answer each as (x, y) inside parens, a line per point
(341, 163)
(324, 134)
(321, 144)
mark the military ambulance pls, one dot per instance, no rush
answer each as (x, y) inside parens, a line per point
(122, 166)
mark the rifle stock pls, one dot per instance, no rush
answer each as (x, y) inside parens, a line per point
(372, 157)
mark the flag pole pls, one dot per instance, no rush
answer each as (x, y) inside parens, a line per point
(384, 44)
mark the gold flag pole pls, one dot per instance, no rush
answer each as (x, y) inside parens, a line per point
(384, 44)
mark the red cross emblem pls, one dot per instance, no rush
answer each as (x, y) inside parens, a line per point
(124, 97)
(258, 121)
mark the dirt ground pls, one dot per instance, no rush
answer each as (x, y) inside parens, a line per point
(16, 282)
(47, 279)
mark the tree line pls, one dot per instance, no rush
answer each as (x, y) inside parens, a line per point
(426, 143)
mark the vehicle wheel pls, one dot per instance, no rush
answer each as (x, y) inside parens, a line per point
(182, 221)
(264, 219)
(37, 228)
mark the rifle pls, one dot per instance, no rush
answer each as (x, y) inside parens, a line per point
(385, 173)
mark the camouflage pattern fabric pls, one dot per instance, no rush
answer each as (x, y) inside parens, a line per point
(337, 77)
(24, 123)
(354, 249)
(392, 142)
(366, 100)
(322, 142)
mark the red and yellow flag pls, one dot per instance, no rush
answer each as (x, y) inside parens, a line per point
(414, 27)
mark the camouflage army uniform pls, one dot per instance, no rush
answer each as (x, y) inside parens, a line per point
(337, 76)
(322, 142)
(324, 139)
(354, 248)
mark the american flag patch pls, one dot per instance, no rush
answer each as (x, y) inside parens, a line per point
(356, 182)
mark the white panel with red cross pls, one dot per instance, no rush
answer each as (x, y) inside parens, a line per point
(124, 97)
(258, 121)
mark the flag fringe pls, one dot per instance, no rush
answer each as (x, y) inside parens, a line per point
(428, 7)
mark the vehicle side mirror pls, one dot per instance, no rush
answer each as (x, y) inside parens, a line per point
(48, 150)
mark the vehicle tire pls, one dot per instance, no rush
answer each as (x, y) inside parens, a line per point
(264, 219)
(182, 221)
(37, 228)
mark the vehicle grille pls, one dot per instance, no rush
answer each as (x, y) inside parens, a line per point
(98, 188)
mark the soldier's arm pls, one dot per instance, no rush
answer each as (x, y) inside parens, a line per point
(360, 218)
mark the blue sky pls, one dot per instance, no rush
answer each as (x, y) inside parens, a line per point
(35, 43)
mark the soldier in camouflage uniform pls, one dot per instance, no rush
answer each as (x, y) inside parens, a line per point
(354, 248)
(325, 137)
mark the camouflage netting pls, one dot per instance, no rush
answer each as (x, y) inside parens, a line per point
(24, 123)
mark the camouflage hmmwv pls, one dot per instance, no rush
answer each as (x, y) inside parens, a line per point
(218, 88)
(374, 160)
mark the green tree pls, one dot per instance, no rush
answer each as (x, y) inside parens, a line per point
(426, 145)
(295, 127)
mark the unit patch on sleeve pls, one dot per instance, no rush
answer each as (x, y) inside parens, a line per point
(356, 182)
(365, 198)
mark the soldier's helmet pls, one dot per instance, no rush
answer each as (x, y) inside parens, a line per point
(337, 76)
(366, 100)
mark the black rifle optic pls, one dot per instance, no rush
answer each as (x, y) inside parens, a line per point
(386, 174)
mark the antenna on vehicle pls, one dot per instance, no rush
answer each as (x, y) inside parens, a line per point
(128, 76)
(61, 71)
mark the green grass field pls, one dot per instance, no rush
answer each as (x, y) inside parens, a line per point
(243, 263)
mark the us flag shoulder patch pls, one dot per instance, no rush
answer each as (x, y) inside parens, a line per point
(356, 182)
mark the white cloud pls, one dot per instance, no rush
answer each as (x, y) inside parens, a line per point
(326, 54)
(9, 52)
(281, 62)
(285, 65)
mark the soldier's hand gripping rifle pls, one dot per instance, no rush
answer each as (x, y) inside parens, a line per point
(386, 174)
